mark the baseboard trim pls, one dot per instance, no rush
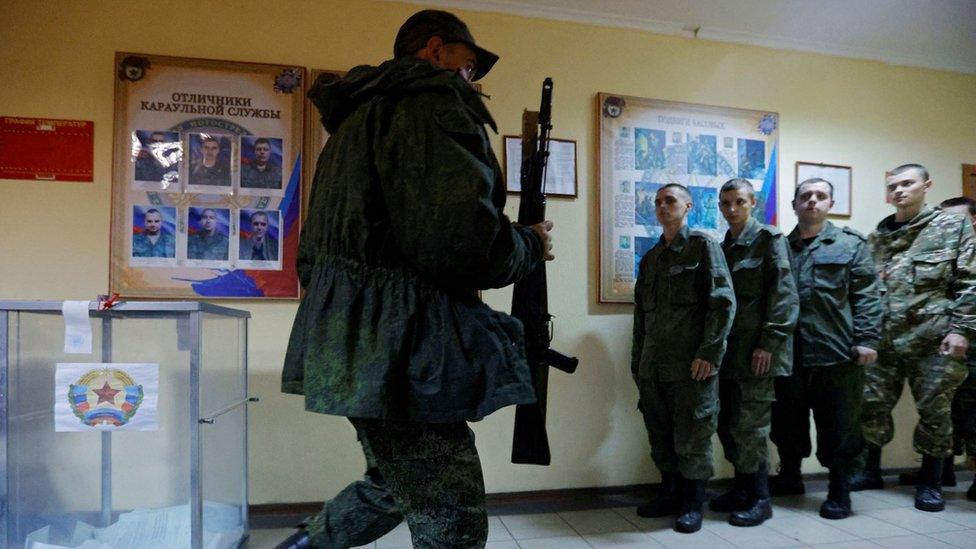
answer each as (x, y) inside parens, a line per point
(284, 515)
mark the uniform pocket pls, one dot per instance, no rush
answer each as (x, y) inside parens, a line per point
(747, 277)
(932, 269)
(830, 270)
(682, 287)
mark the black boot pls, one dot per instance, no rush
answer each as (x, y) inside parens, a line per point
(760, 503)
(735, 499)
(949, 471)
(870, 477)
(693, 497)
(908, 479)
(789, 481)
(667, 501)
(298, 540)
(971, 493)
(838, 504)
(928, 493)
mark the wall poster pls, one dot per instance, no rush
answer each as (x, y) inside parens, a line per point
(648, 143)
(207, 178)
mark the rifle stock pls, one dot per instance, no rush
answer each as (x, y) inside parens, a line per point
(530, 444)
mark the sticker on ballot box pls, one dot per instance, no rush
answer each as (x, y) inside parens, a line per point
(106, 397)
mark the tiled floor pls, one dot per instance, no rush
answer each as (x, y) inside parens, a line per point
(882, 519)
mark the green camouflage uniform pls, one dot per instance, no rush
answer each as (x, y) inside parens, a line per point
(964, 412)
(405, 224)
(684, 310)
(765, 315)
(928, 275)
(839, 309)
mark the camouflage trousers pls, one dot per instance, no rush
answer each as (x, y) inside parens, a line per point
(681, 417)
(743, 421)
(933, 380)
(964, 417)
(428, 473)
(833, 393)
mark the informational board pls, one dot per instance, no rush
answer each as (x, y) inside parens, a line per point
(648, 143)
(207, 178)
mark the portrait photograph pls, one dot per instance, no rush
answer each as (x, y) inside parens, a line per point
(153, 235)
(207, 234)
(261, 163)
(156, 156)
(259, 239)
(209, 167)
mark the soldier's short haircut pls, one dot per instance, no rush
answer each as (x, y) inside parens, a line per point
(811, 181)
(960, 201)
(905, 167)
(738, 184)
(261, 213)
(152, 211)
(207, 138)
(685, 193)
(260, 140)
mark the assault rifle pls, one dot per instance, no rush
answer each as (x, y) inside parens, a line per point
(529, 302)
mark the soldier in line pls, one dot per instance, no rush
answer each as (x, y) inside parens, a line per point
(836, 337)
(925, 259)
(964, 403)
(760, 348)
(683, 313)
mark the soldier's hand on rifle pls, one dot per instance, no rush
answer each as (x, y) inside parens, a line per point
(954, 345)
(864, 355)
(543, 229)
(701, 369)
(761, 360)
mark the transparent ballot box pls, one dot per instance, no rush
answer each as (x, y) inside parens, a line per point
(123, 428)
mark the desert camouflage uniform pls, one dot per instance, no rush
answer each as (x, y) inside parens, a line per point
(928, 275)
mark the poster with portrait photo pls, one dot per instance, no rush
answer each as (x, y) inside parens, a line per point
(260, 163)
(648, 143)
(208, 237)
(210, 165)
(156, 159)
(154, 238)
(259, 239)
(191, 100)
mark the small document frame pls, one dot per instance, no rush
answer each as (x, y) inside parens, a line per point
(840, 177)
(561, 172)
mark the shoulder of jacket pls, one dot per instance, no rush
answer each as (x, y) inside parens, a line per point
(856, 234)
(772, 230)
(702, 235)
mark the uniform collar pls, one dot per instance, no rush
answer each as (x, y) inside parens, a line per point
(828, 234)
(678, 242)
(749, 233)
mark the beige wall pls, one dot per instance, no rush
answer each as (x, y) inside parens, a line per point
(56, 61)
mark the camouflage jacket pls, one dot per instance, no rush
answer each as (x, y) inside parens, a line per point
(405, 224)
(766, 302)
(839, 303)
(928, 274)
(684, 307)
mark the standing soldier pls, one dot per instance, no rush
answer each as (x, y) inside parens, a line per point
(836, 336)
(684, 309)
(925, 260)
(964, 403)
(760, 347)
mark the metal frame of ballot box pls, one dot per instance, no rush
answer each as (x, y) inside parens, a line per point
(190, 311)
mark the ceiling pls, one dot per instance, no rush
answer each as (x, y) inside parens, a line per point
(938, 34)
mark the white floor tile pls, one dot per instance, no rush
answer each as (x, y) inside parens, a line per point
(858, 544)
(913, 542)
(868, 527)
(497, 530)
(901, 496)
(398, 537)
(598, 521)
(753, 537)
(916, 521)
(703, 538)
(545, 525)
(810, 530)
(554, 543)
(645, 524)
(965, 539)
(962, 513)
(625, 540)
(502, 545)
